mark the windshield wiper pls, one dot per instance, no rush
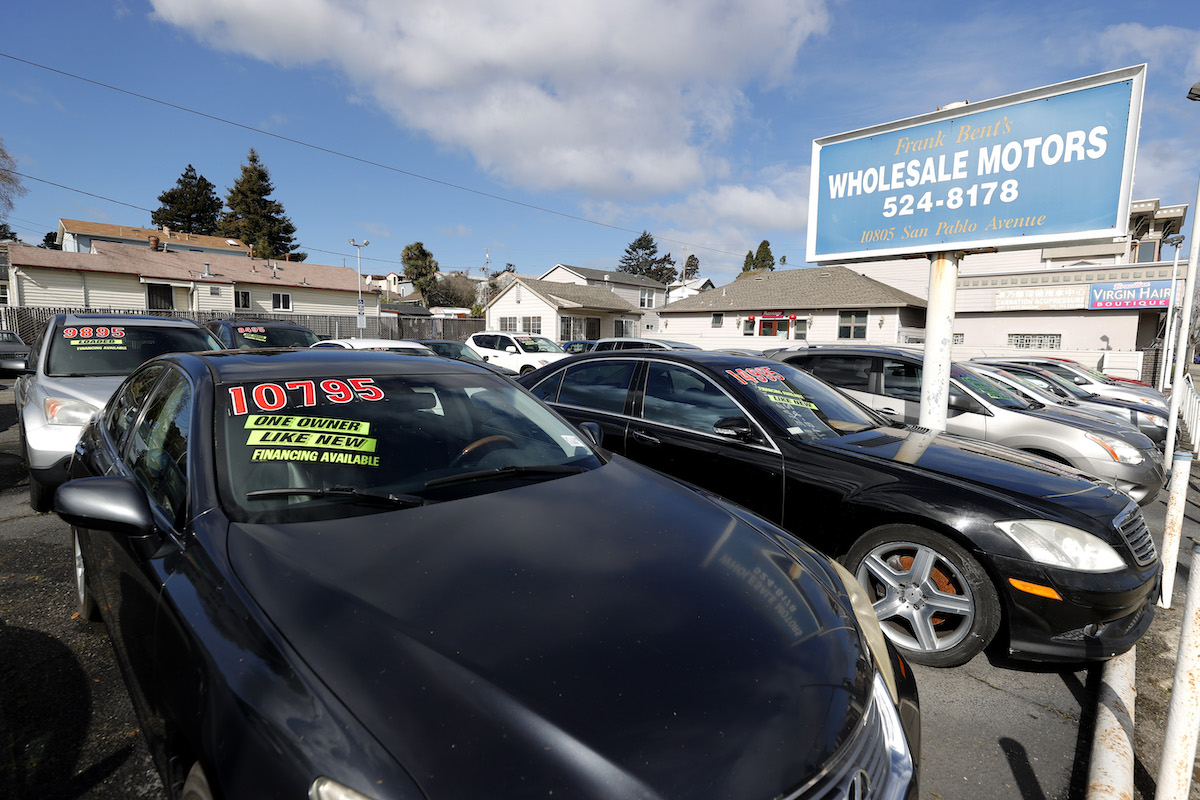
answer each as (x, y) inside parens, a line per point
(350, 492)
(504, 472)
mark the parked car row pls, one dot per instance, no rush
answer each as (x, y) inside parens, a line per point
(524, 601)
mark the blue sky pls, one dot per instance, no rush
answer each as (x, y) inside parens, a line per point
(536, 132)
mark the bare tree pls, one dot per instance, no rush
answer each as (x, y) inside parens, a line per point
(10, 182)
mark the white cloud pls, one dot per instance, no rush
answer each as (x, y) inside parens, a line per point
(612, 97)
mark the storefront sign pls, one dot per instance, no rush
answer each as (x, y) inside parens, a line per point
(1047, 165)
(1130, 294)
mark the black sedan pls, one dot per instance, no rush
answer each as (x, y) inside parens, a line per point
(345, 575)
(957, 541)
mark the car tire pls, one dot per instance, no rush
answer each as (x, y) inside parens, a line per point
(934, 601)
(196, 785)
(88, 611)
(525, 370)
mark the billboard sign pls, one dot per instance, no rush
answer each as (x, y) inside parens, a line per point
(1130, 294)
(1049, 165)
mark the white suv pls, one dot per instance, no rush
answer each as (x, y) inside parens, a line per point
(523, 352)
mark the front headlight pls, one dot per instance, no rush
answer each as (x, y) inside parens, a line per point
(327, 789)
(1118, 450)
(1157, 420)
(1060, 545)
(864, 611)
(64, 411)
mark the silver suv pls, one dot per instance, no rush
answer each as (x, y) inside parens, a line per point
(889, 380)
(74, 366)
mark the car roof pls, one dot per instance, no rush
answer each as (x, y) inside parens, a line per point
(713, 359)
(266, 323)
(365, 343)
(126, 319)
(239, 366)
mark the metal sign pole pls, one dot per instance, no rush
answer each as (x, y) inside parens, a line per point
(939, 338)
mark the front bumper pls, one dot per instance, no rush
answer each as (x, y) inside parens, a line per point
(1142, 482)
(47, 445)
(1100, 616)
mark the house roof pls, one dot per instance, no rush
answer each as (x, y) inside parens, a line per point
(180, 265)
(573, 295)
(165, 235)
(610, 276)
(820, 287)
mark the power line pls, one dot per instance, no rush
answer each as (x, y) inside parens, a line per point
(79, 191)
(341, 154)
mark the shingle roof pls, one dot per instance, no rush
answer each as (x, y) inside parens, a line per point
(574, 295)
(820, 287)
(167, 237)
(613, 276)
(178, 265)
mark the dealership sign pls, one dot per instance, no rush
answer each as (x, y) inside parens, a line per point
(1043, 166)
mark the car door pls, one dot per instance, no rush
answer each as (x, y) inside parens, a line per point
(673, 432)
(593, 391)
(127, 574)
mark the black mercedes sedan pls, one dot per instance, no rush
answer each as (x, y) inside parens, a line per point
(347, 575)
(957, 541)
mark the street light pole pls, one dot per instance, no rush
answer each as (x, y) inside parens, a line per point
(362, 316)
(1169, 334)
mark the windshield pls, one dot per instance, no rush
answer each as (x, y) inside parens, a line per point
(537, 344)
(325, 447)
(803, 404)
(8, 337)
(455, 350)
(119, 349)
(995, 394)
(269, 336)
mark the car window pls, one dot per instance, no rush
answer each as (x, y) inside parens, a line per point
(678, 396)
(600, 346)
(157, 454)
(250, 336)
(117, 349)
(484, 340)
(537, 344)
(302, 449)
(601, 385)
(901, 380)
(127, 401)
(846, 372)
(8, 337)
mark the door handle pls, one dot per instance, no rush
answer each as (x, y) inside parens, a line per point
(646, 438)
(891, 412)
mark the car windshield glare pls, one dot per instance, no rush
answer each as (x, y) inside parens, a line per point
(806, 406)
(118, 349)
(344, 439)
(537, 344)
(994, 392)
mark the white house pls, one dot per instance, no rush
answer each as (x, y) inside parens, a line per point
(77, 236)
(561, 310)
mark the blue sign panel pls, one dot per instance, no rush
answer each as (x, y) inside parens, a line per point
(1130, 294)
(1051, 165)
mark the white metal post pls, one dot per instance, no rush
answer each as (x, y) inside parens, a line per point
(1185, 327)
(1183, 713)
(939, 337)
(1169, 342)
(1181, 474)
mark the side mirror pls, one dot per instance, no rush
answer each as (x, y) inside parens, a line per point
(116, 505)
(960, 403)
(592, 432)
(1079, 380)
(734, 428)
(510, 349)
(14, 365)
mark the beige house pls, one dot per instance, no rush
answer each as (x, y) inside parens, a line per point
(139, 277)
(77, 236)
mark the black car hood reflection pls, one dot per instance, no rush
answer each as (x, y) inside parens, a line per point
(957, 457)
(529, 638)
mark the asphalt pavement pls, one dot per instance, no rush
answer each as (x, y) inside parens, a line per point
(992, 728)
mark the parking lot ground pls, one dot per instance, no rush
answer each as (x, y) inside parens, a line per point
(992, 729)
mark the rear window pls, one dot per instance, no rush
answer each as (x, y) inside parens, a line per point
(118, 349)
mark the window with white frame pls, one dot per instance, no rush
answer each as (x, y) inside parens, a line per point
(1035, 341)
(718, 320)
(3, 294)
(241, 298)
(852, 324)
(281, 301)
(623, 327)
(647, 298)
(508, 324)
(531, 325)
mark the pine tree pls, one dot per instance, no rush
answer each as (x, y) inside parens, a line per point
(255, 218)
(642, 258)
(749, 265)
(691, 268)
(763, 258)
(192, 206)
(421, 268)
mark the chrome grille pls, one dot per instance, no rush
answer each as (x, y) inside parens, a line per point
(1136, 533)
(866, 753)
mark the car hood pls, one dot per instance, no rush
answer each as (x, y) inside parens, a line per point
(603, 634)
(93, 390)
(990, 467)
(1090, 422)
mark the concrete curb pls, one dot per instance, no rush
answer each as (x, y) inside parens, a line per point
(1110, 773)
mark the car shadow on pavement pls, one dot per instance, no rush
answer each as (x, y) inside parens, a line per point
(45, 705)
